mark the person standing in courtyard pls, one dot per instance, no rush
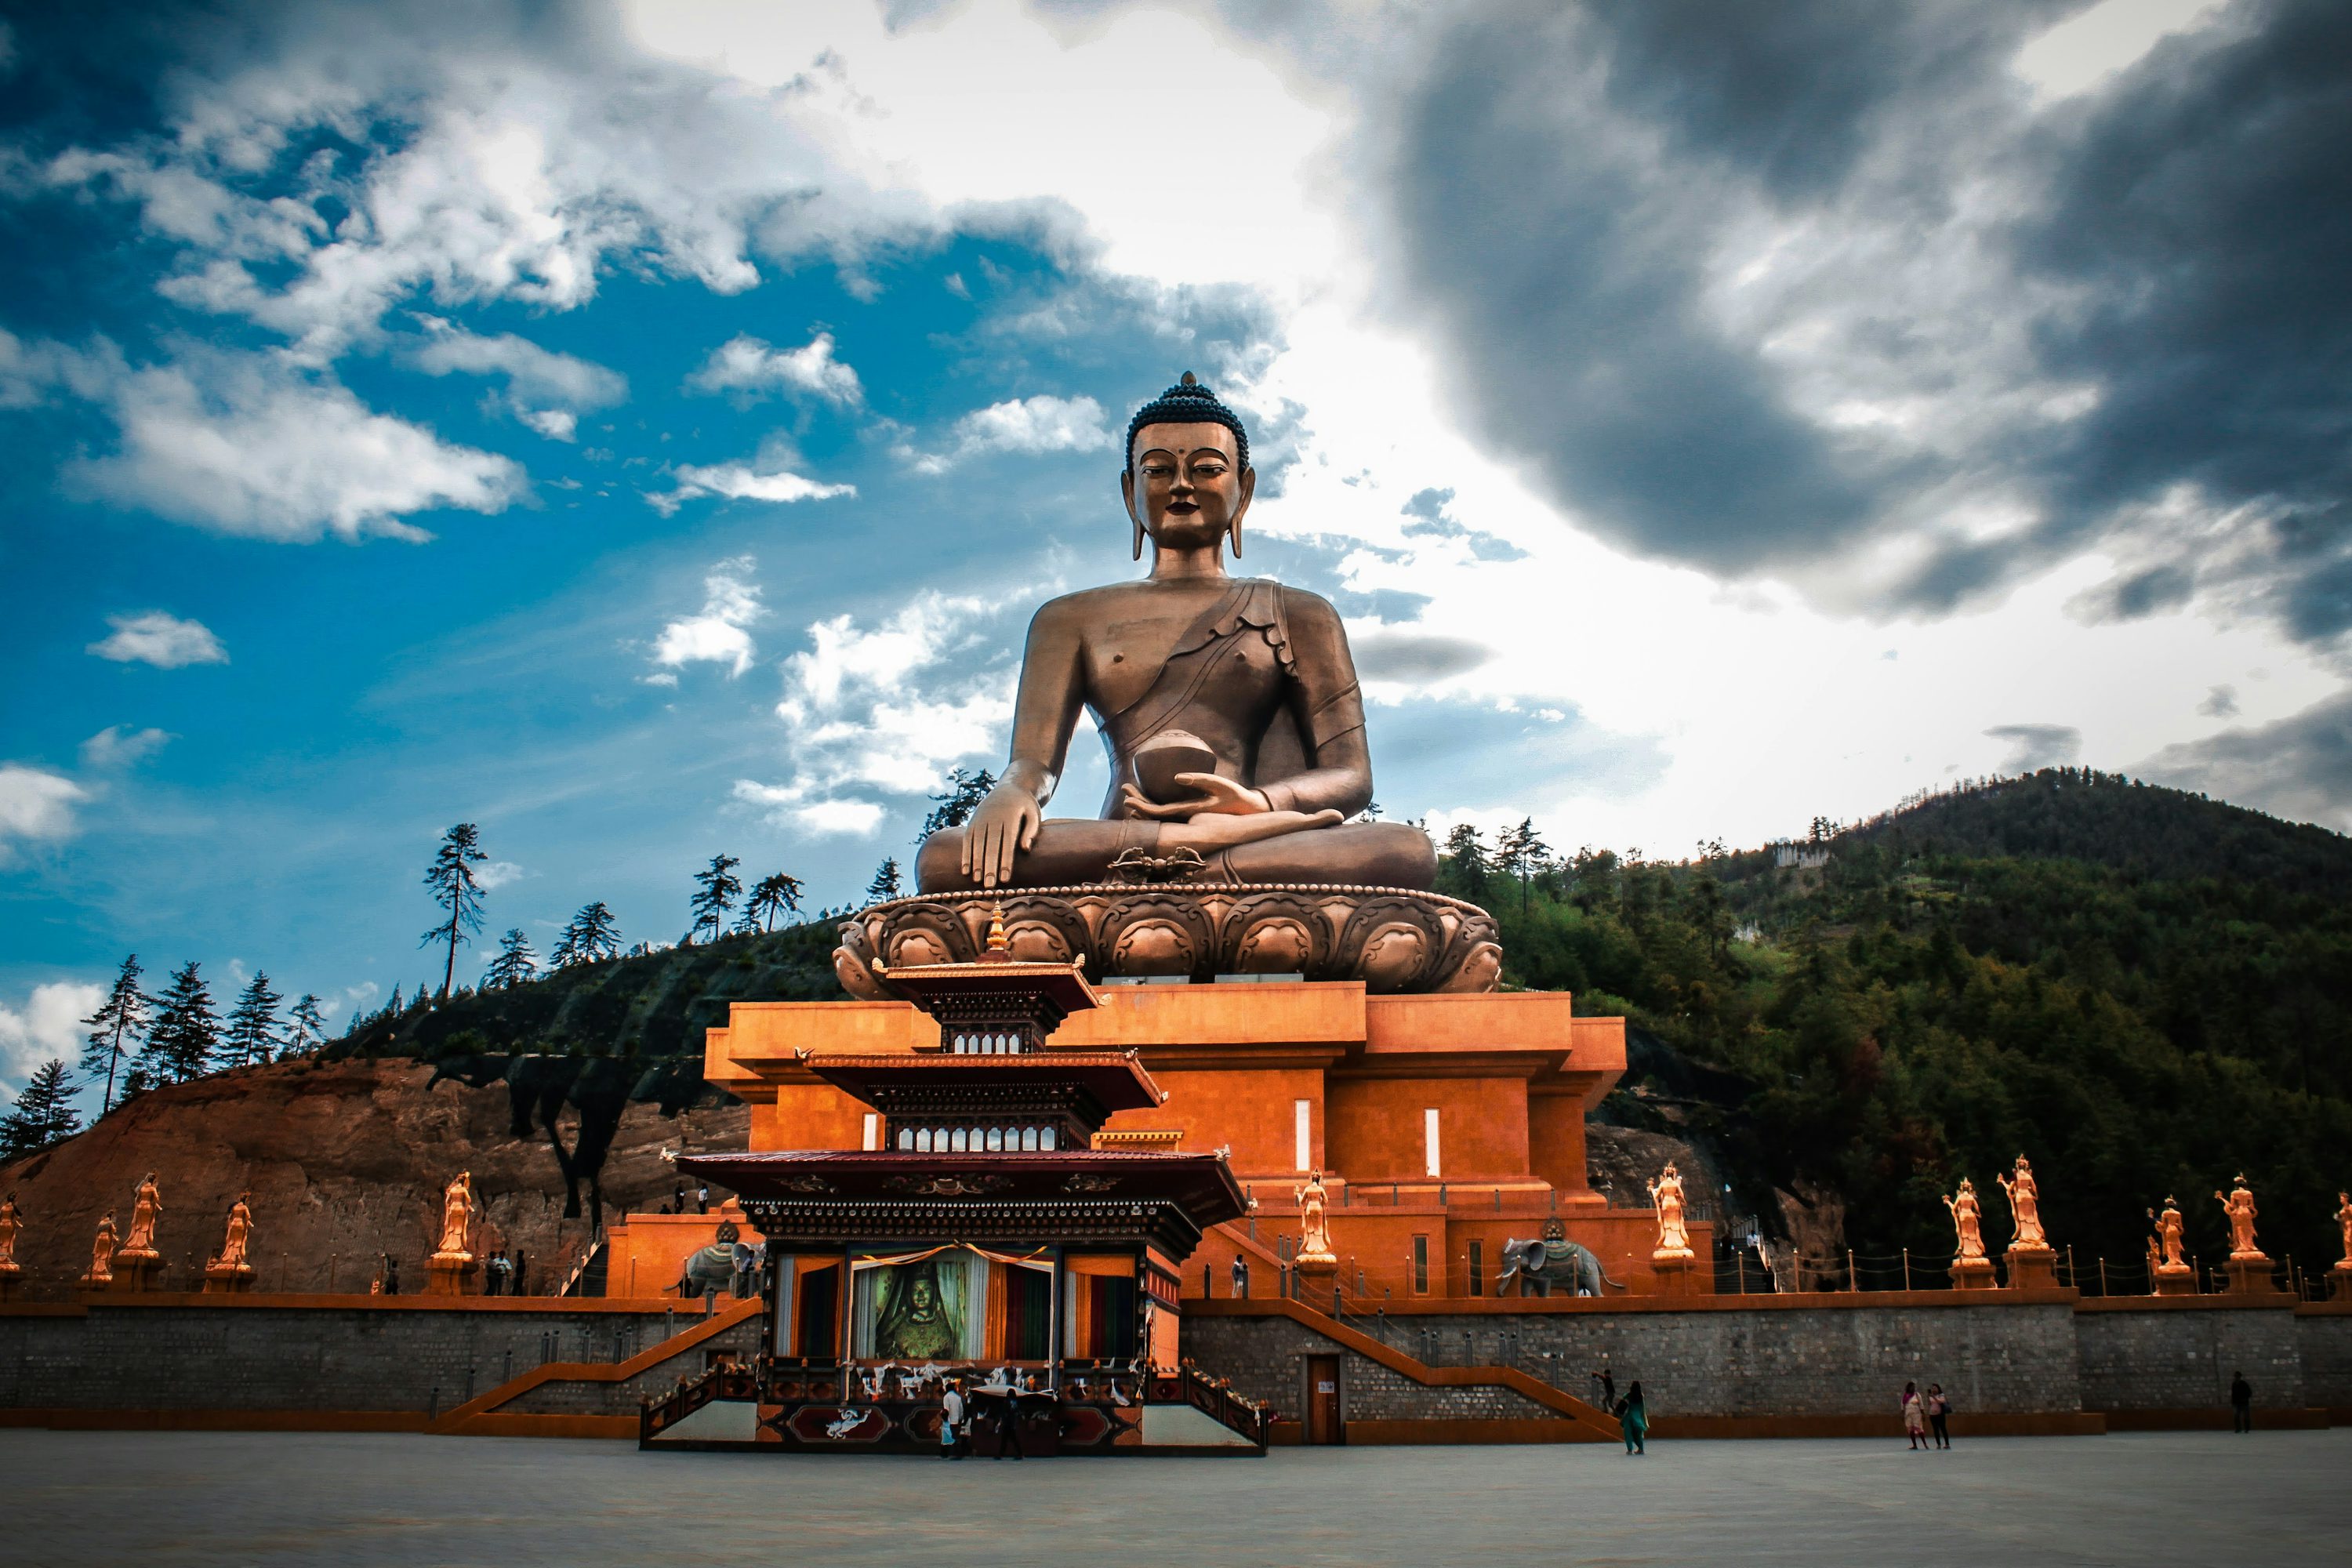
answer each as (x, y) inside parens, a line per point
(951, 1422)
(1915, 1416)
(1633, 1419)
(2242, 1403)
(1608, 1382)
(1940, 1415)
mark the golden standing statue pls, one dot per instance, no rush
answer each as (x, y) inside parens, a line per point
(2025, 1209)
(2343, 1223)
(1967, 1218)
(240, 1231)
(101, 1253)
(2165, 1249)
(145, 1209)
(456, 1217)
(2239, 1205)
(1314, 1219)
(11, 1228)
(1674, 1229)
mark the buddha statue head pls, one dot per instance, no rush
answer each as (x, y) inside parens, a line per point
(1188, 480)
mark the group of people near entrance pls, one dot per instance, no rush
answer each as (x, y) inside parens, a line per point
(999, 1413)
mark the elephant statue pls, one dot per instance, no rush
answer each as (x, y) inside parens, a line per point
(1538, 1266)
(725, 1264)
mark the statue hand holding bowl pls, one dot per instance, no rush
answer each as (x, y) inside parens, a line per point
(1229, 707)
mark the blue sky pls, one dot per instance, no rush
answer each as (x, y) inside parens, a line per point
(645, 429)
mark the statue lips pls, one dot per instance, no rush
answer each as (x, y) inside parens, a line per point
(1159, 759)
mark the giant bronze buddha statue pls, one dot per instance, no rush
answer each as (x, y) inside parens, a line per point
(1236, 730)
(1229, 706)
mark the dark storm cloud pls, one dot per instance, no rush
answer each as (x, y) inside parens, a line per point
(2299, 768)
(2175, 241)
(1564, 254)
(2032, 746)
(2204, 211)
(1415, 657)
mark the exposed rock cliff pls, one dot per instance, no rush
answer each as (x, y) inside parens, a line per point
(346, 1162)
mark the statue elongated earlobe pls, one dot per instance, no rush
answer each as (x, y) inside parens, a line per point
(1233, 530)
(1139, 539)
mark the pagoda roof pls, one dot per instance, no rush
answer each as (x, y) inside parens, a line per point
(1115, 1079)
(928, 985)
(1202, 1185)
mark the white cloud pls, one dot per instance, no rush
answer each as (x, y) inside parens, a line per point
(730, 603)
(36, 804)
(1026, 425)
(783, 804)
(545, 389)
(497, 873)
(526, 164)
(253, 447)
(555, 424)
(742, 481)
(745, 365)
(116, 747)
(47, 1025)
(882, 711)
(161, 639)
(2093, 45)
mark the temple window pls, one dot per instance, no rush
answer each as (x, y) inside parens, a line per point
(1028, 1138)
(1302, 1113)
(1046, 1138)
(906, 1137)
(996, 1139)
(956, 1142)
(1420, 1265)
(923, 1141)
(1428, 1140)
(1477, 1269)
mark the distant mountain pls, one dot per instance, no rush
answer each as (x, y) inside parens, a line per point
(2105, 819)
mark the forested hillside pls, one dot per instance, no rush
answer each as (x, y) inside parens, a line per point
(2144, 991)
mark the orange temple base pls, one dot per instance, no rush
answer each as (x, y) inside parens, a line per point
(1443, 1125)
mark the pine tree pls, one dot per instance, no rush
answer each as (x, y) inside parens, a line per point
(252, 1036)
(515, 963)
(393, 1008)
(592, 934)
(116, 1030)
(965, 790)
(185, 1034)
(719, 887)
(44, 1113)
(779, 894)
(1465, 858)
(305, 1027)
(885, 885)
(451, 878)
(1522, 852)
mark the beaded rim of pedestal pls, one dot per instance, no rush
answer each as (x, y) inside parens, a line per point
(1394, 940)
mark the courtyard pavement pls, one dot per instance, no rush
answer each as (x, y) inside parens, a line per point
(169, 1499)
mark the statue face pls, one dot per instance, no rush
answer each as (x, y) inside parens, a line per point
(1188, 487)
(921, 1299)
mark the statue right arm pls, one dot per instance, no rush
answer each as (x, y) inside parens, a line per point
(1043, 714)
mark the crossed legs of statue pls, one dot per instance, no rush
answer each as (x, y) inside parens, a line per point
(1073, 852)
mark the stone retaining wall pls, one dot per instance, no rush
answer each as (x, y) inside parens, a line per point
(326, 1353)
(1807, 1359)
